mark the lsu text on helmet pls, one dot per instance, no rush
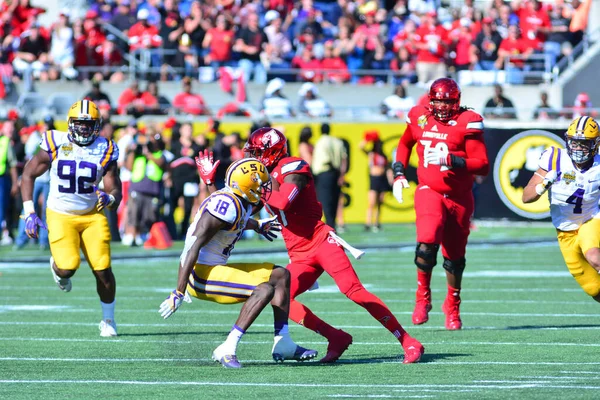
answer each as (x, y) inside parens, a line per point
(444, 99)
(249, 179)
(84, 122)
(582, 139)
(267, 145)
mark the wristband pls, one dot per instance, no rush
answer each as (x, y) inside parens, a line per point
(540, 189)
(111, 200)
(28, 207)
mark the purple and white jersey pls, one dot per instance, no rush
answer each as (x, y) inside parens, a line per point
(575, 195)
(75, 170)
(227, 207)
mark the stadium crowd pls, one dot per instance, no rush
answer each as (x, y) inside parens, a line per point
(320, 41)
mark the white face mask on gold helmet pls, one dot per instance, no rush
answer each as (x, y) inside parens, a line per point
(84, 121)
(582, 139)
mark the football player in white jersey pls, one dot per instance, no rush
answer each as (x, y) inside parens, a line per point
(78, 160)
(204, 272)
(572, 179)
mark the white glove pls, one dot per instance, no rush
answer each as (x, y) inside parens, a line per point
(172, 303)
(399, 183)
(548, 181)
(268, 226)
(436, 156)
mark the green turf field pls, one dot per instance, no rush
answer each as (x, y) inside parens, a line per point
(530, 331)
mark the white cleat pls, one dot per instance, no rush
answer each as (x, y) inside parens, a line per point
(63, 283)
(286, 349)
(108, 328)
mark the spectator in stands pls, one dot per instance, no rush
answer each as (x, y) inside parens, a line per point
(305, 148)
(96, 95)
(250, 42)
(104, 9)
(484, 50)
(154, 11)
(397, 104)
(581, 106)
(135, 102)
(372, 146)
(499, 106)
(143, 37)
(184, 174)
(196, 27)
(171, 30)
(124, 19)
(275, 104)
(309, 65)
(367, 39)
(338, 70)
(92, 36)
(218, 41)
(311, 105)
(461, 39)
(108, 56)
(533, 21)
(515, 50)
(558, 33)
(431, 49)
(163, 105)
(311, 23)
(9, 182)
(188, 102)
(506, 18)
(31, 56)
(579, 19)
(62, 57)
(278, 47)
(544, 111)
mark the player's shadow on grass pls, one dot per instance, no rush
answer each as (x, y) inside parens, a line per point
(170, 333)
(534, 327)
(426, 358)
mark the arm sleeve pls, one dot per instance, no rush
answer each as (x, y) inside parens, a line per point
(284, 197)
(405, 146)
(477, 160)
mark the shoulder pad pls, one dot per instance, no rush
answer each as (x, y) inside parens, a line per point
(415, 113)
(293, 165)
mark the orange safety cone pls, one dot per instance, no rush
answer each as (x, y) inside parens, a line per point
(159, 237)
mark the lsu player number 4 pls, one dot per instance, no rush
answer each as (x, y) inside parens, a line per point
(204, 272)
(78, 160)
(571, 177)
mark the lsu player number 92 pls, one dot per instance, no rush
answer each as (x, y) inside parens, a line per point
(571, 177)
(78, 160)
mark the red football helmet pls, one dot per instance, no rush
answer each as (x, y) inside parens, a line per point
(268, 145)
(444, 99)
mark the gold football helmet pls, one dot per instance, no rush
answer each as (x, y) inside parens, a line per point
(582, 139)
(84, 122)
(249, 179)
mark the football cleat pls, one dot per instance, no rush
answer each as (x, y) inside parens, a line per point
(338, 344)
(108, 328)
(63, 283)
(421, 313)
(452, 311)
(413, 350)
(227, 360)
(284, 349)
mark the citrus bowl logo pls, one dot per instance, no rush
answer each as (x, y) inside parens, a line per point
(516, 162)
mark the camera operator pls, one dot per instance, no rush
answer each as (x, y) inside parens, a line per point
(147, 162)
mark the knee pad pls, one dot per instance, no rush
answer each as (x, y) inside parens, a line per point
(455, 266)
(429, 256)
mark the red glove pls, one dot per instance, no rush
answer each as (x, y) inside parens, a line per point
(207, 168)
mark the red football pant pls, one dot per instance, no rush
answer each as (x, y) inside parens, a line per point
(444, 220)
(331, 258)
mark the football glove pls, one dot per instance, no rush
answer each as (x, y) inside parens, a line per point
(548, 181)
(268, 226)
(439, 157)
(207, 168)
(32, 225)
(104, 199)
(172, 303)
(400, 183)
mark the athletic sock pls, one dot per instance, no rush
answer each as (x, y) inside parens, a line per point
(301, 315)
(423, 284)
(281, 328)
(453, 294)
(234, 338)
(108, 310)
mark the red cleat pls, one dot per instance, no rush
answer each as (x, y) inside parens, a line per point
(421, 312)
(413, 350)
(338, 344)
(451, 308)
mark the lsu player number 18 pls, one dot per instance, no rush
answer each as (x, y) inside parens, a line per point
(78, 160)
(204, 272)
(571, 177)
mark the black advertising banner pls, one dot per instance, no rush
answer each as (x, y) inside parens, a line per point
(514, 156)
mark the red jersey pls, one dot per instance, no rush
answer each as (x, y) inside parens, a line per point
(462, 137)
(303, 230)
(434, 37)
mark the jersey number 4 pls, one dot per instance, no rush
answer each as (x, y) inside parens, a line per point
(577, 199)
(77, 179)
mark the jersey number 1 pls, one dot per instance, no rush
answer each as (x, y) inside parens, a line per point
(577, 199)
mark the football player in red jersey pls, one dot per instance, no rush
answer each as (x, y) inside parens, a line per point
(451, 149)
(314, 247)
